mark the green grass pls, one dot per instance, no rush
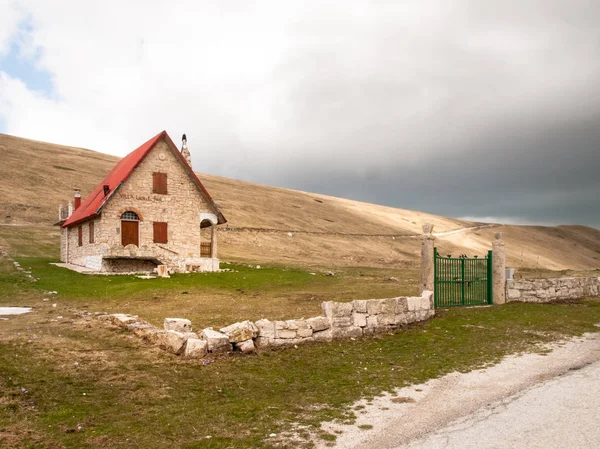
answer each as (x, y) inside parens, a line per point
(213, 299)
(124, 393)
(154, 399)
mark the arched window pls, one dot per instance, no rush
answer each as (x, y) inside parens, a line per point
(130, 229)
(129, 216)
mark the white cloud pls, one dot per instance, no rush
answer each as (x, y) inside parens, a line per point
(353, 84)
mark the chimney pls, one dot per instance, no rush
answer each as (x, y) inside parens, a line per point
(77, 200)
(184, 151)
(106, 189)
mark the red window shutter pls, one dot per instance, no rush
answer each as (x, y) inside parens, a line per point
(159, 183)
(79, 235)
(91, 232)
(160, 232)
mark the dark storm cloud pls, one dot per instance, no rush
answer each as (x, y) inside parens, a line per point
(466, 108)
(487, 109)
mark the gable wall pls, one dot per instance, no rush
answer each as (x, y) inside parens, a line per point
(180, 208)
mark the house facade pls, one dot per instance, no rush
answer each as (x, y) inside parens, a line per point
(150, 210)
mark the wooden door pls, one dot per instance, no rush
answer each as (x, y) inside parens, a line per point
(130, 233)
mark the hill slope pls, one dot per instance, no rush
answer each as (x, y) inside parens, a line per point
(36, 176)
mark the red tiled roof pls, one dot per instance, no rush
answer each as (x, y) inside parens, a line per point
(92, 205)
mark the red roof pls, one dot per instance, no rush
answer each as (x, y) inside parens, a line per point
(92, 205)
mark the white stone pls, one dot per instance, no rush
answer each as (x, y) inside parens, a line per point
(427, 299)
(318, 323)
(360, 319)
(323, 336)
(266, 328)
(195, 347)
(246, 346)
(162, 271)
(360, 305)
(285, 333)
(347, 332)
(122, 319)
(217, 342)
(333, 309)
(414, 303)
(174, 341)
(177, 324)
(239, 332)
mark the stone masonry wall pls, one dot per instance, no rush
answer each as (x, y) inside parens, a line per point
(180, 208)
(340, 320)
(555, 289)
(84, 254)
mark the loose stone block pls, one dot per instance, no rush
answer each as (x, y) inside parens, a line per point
(359, 305)
(372, 321)
(401, 305)
(347, 332)
(285, 333)
(122, 319)
(427, 299)
(414, 303)
(387, 306)
(410, 317)
(266, 328)
(177, 324)
(246, 346)
(323, 336)
(360, 319)
(217, 342)
(195, 347)
(319, 323)
(263, 342)
(373, 306)
(400, 319)
(174, 341)
(333, 309)
(386, 319)
(280, 325)
(303, 330)
(342, 321)
(239, 332)
(141, 329)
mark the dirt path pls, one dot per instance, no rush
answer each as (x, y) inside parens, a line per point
(341, 234)
(556, 414)
(423, 409)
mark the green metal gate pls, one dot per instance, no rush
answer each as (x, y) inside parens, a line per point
(460, 281)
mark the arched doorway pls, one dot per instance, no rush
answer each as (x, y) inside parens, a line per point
(130, 229)
(208, 239)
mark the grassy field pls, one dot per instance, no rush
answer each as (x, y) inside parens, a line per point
(211, 299)
(76, 383)
(72, 381)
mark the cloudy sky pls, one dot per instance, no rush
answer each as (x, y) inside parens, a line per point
(469, 108)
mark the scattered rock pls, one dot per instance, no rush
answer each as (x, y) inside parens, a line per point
(177, 324)
(217, 342)
(246, 346)
(195, 347)
(239, 332)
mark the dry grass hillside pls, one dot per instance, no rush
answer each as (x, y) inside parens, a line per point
(325, 231)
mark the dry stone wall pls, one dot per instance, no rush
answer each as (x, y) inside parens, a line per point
(554, 289)
(340, 320)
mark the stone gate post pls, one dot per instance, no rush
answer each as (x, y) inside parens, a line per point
(427, 243)
(498, 270)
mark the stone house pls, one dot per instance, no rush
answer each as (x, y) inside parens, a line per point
(150, 210)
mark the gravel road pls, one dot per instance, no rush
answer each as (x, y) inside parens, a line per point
(529, 401)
